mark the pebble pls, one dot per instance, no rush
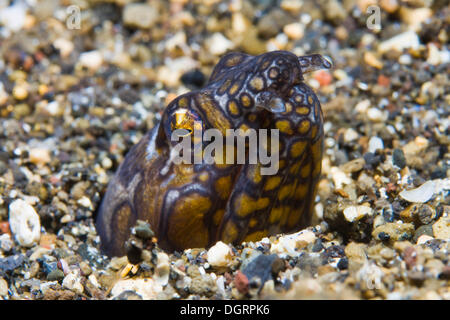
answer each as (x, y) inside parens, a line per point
(260, 267)
(398, 158)
(24, 223)
(293, 6)
(437, 57)
(3, 287)
(340, 178)
(128, 295)
(143, 231)
(287, 244)
(393, 231)
(147, 288)
(55, 275)
(376, 115)
(355, 213)
(387, 253)
(323, 77)
(305, 235)
(350, 135)
(389, 6)
(139, 15)
(414, 17)
(64, 46)
(220, 255)
(13, 17)
(354, 165)
(20, 92)
(85, 202)
(405, 59)
(420, 194)
(91, 60)
(6, 243)
(39, 156)
(424, 238)
(372, 60)
(241, 282)
(406, 40)
(162, 270)
(217, 44)
(441, 228)
(295, 30)
(73, 282)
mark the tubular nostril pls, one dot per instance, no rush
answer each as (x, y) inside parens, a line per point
(314, 62)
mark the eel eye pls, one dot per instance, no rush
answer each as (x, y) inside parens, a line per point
(183, 123)
(186, 120)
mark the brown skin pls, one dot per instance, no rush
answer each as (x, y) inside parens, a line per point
(191, 205)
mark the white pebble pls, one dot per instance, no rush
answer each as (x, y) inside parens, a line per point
(6, 243)
(39, 156)
(340, 178)
(424, 238)
(402, 41)
(306, 235)
(64, 46)
(140, 15)
(220, 255)
(91, 59)
(437, 57)
(53, 108)
(375, 143)
(405, 59)
(355, 213)
(362, 106)
(73, 282)
(350, 135)
(13, 17)
(376, 115)
(3, 287)
(218, 44)
(147, 288)
(85, 202)
(24, 223)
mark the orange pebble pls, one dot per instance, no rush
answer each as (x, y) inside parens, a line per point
(323, 77)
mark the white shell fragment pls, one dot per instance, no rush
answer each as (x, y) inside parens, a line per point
(220, 255)
(24, 223)
(426, 191)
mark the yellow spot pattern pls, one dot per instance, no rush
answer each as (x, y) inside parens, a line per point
(223, 186)
(272, 183)
(257, 83)
(233, 108)
(245, 205)
(284, 126)
(302, 111)
(255, 236)
(186, 224)
(297, 148)
(304, 126)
